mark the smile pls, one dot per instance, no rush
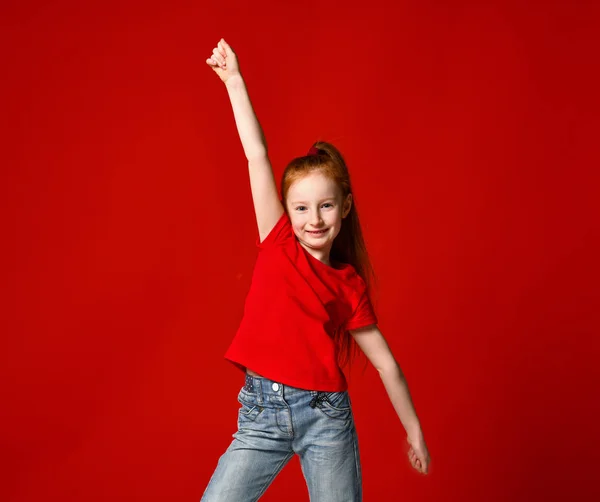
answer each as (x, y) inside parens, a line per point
(318, 232)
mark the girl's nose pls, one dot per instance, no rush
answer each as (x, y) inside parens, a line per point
(316, 220)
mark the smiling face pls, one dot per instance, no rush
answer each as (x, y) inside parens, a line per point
(316, 209)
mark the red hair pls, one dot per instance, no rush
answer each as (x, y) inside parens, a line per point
(349, 245)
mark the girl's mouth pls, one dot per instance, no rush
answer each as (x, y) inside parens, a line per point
(317, 233)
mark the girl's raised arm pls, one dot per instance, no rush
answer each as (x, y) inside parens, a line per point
(267, 206)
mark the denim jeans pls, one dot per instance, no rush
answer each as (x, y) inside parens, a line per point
(276, 421)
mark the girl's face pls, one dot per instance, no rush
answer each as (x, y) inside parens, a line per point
(316, 210)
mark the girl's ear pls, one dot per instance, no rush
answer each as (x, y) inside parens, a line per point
(347, 205)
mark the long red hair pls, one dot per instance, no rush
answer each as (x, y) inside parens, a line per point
(349, 245)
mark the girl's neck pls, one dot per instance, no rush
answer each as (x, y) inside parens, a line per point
(319, 254)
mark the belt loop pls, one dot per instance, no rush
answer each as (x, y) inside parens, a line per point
(249, 383)
(259, 390)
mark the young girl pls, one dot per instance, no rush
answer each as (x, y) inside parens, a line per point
(308, 301)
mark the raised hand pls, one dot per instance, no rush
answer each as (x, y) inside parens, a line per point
(224, 61)
(418, 454)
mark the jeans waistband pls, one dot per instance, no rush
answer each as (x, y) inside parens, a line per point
(263, 385)
(264, 389)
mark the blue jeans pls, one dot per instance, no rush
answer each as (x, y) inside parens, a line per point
(276, 421)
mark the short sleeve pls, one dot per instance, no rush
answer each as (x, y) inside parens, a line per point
(279, 233)
(363, 314)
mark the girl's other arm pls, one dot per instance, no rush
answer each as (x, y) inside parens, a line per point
(375, 347)
(267, 206)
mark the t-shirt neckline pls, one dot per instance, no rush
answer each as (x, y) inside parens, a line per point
(344, 266)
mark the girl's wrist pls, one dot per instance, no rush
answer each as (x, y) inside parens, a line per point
(234, 80)
(414, 430)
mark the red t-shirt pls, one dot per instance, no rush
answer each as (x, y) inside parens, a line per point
(294, 306)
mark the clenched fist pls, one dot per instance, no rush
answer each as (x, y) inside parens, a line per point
(224, 61)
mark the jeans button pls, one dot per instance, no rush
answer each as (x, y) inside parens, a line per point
(275, 387)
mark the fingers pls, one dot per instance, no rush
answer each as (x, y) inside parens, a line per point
(225, 46)
(418, 455)
(221, 48)
(213, 64)
(422, 465)
(412, 457)
(220, 53)
(218, 57)
(417, 462)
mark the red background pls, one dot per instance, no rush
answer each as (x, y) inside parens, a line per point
(471, 131)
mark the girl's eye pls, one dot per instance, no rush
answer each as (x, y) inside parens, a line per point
(327, 204)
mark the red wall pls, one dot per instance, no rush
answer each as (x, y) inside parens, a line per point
(471, 131)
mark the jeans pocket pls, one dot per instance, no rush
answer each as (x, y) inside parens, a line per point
(249, 409)
(338, 400)
(337, 405)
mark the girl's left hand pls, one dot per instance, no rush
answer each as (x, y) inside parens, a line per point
(418, 453)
